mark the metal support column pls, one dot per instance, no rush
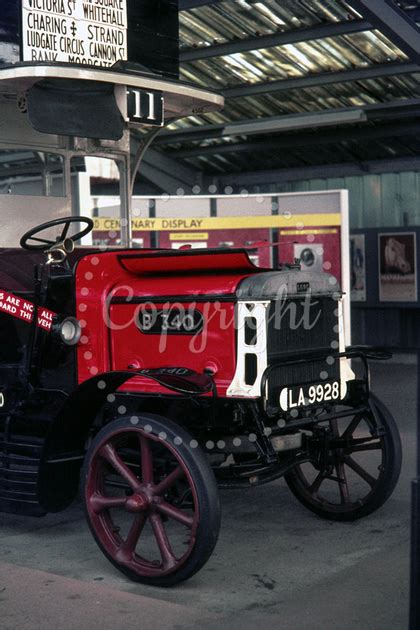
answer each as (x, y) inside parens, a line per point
(125, 195)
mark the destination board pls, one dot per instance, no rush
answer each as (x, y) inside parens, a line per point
(90, 32)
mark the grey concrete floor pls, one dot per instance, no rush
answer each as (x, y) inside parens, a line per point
(275, 563)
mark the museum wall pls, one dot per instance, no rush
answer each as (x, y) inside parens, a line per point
(387, 199)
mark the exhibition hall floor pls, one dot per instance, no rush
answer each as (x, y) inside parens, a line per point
(275, 563)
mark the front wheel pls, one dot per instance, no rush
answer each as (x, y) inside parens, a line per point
(151, 499)
(355, 465)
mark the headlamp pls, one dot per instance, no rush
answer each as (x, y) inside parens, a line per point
(70, 331)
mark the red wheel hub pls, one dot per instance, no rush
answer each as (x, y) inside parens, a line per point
(137, 503)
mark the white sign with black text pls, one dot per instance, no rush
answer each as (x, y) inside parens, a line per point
(91, 32)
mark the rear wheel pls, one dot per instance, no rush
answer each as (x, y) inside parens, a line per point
(151, 499)
(355, 465)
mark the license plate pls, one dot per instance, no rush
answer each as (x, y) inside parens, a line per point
(170, 321)
(307, 395)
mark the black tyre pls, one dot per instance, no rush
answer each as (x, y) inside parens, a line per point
(358, 471)
(151, 499)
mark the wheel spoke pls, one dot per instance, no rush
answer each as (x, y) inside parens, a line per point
(369, 443)
(359, 470)
(146, 460)
(175, 513)
(100, 503)
(169, 481)
(334, 427)
(373, 446)
(168, 558)
(128, 547)
(342, 483)
(352, 426)
(316, 484)
(110, 455)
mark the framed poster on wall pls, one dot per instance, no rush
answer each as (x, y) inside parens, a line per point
(397, 267)
(358, 267)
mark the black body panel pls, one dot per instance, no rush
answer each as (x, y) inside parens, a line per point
(153, 38)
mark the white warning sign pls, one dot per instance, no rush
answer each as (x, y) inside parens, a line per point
(91, 32)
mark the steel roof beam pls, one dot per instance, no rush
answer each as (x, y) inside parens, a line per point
(323, 78)
(186, 5)
(292, 36)
(169, 182)
(276, 39)
(167, 172)
(289, 141)
(396, 109)
(395, 23)
(346, 169)
(164, 182)
(185, 174)
(269, 124)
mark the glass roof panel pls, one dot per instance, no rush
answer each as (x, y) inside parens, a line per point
(235, 20)
(409, 4)
(317, 98)
(241, 19)
(292, 60)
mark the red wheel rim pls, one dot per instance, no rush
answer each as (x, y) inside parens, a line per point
(145, 504)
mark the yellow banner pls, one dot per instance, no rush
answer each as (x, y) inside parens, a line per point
(296, 221)
(189, 236)
(309, 231)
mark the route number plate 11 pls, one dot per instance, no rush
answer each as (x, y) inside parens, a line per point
(145, 107)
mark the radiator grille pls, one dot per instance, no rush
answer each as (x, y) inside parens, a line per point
(296, 327)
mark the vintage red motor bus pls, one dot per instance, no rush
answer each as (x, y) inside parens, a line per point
(151, 377)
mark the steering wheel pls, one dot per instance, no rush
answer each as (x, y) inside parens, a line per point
(44, 244)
